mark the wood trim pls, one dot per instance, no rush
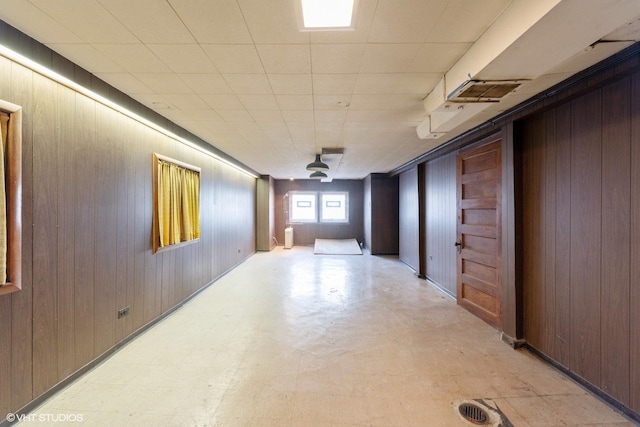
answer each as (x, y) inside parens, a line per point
(14, 200)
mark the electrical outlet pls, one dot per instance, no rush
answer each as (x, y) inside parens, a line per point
(123, 312)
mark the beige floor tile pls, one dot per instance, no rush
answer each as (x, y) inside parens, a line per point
(293, 339)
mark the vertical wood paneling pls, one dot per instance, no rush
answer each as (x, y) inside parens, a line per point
(45, 286)
(21, 302)
(105, 230)
(581, 176)
(409, 219)
(550, 156)
(563, 236)
(634, 297)
(66, 101)
(5, 301)
(586, 219)
(533, 208)
(87, 203)
(84, 216)
(441, 222)
(616, 243)
(121, 177)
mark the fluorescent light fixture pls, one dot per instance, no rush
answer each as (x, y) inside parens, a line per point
(40, 69)
(327, 14)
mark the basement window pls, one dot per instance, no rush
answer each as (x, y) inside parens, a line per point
(10, 199)
(176, 193)
(324, 207)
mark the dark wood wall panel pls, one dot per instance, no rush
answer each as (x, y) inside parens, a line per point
(616, 242)
(305, 234)
(580, 239)
(87, 207)
(586, 237)
(562, 325)
(440, 207)
(409, 219)
(6, 301)
(45, 334)
(21, 310)
(634, 292)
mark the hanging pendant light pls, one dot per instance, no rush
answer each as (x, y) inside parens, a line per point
(318, 175)
(317, 165)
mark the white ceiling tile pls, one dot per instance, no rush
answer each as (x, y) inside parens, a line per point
(238, 58)
(364, 13)
(218, 21)
(417, 83)
(388, 58)
(186, 102)
(285, 59)
(329, 84)
(88, 57)
(134, 58)
(295, 102)
(223, 102)
(376, 83)
(151, 21)
(301, 131)
(266, 115)
(235, 115)
(436, 57)
(204, 115)
(386, 102)
(336, 58)
(163, 83)
(291, 84)
(259, 102)
(464, 21)
(213, 84)
(272, 22)
(405, 21)
(183, 58)
(248, 83)
(332, 116)
(299, 116)
(30, 20)
(87, 19)
(331, 102)
(124, 82)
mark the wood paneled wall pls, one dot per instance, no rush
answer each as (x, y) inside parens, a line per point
(581, 236)
(381, 214)
(441, 212)
(409, 211)
(305, 234)
(87, 206)
(265, 214)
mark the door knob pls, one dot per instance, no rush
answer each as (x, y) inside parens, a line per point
(458, 245)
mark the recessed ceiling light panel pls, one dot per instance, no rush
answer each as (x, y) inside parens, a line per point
(326, 15)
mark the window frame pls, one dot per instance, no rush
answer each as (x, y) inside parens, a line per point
(292, 195)
(157, 158)
(321, 206)
(318, 199)
(13, 183)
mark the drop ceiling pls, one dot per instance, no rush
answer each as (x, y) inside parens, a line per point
(242, 76)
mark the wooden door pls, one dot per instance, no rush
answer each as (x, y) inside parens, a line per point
(479, 284)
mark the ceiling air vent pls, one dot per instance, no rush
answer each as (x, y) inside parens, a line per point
(483, 90)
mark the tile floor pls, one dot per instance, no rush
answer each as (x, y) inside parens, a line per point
(295, 339)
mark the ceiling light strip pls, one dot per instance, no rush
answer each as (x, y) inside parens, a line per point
(46, 72)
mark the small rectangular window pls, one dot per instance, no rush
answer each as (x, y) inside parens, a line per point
(334, 207)
(176, 203)
(302, 206)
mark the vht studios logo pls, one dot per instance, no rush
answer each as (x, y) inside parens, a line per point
(45, 418)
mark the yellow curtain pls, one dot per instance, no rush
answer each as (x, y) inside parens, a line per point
(4, 126)
(178, 203)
